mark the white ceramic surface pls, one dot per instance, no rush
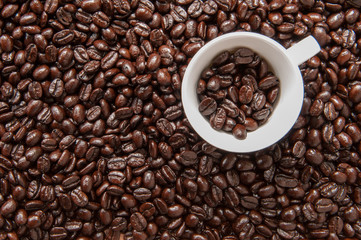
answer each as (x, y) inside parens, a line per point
(284, 63)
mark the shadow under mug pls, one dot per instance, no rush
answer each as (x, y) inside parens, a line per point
(283, 62)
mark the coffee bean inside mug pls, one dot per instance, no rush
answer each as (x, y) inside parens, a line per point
(237, 92)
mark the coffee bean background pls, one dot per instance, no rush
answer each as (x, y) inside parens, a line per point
(95, 144)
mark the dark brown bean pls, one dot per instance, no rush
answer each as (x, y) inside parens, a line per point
(138, 222)
(79, 198)
(8, 207)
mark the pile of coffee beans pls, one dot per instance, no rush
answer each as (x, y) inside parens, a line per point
(237, 92)
(94, 143)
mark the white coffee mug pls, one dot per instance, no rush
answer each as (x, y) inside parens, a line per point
(283, 62)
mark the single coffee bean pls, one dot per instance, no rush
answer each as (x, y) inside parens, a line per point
(142, 194)
(58, 233)
(323, 205)
(79, 198)
(239, 131)
(63, 37)
(187, 158)
(218, 118)
(286, 181)
(249, 202)
(56, 87)
(8, 207)
(243, 56)
(138, 222)
(207, 106)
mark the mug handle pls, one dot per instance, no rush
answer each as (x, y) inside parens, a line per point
(303, 50)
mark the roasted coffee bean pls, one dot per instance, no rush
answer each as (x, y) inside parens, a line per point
(58, 233)
(243, 56)
(165, 127)
(8, 207)
(35, 90)
(249, 202)
(214, 83)
(109, 60)
(138, 222)
(70, 182)
(187, 158)
(79, 198)
(239, 131)
(268, 82)
(142, 194)
(63, 37)
(218, 118)
(323, 205)
(81, 55)
(207, 106)
(335, 20)
(56, 87)
(245, 94)
(285, 181)
(101, 19)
